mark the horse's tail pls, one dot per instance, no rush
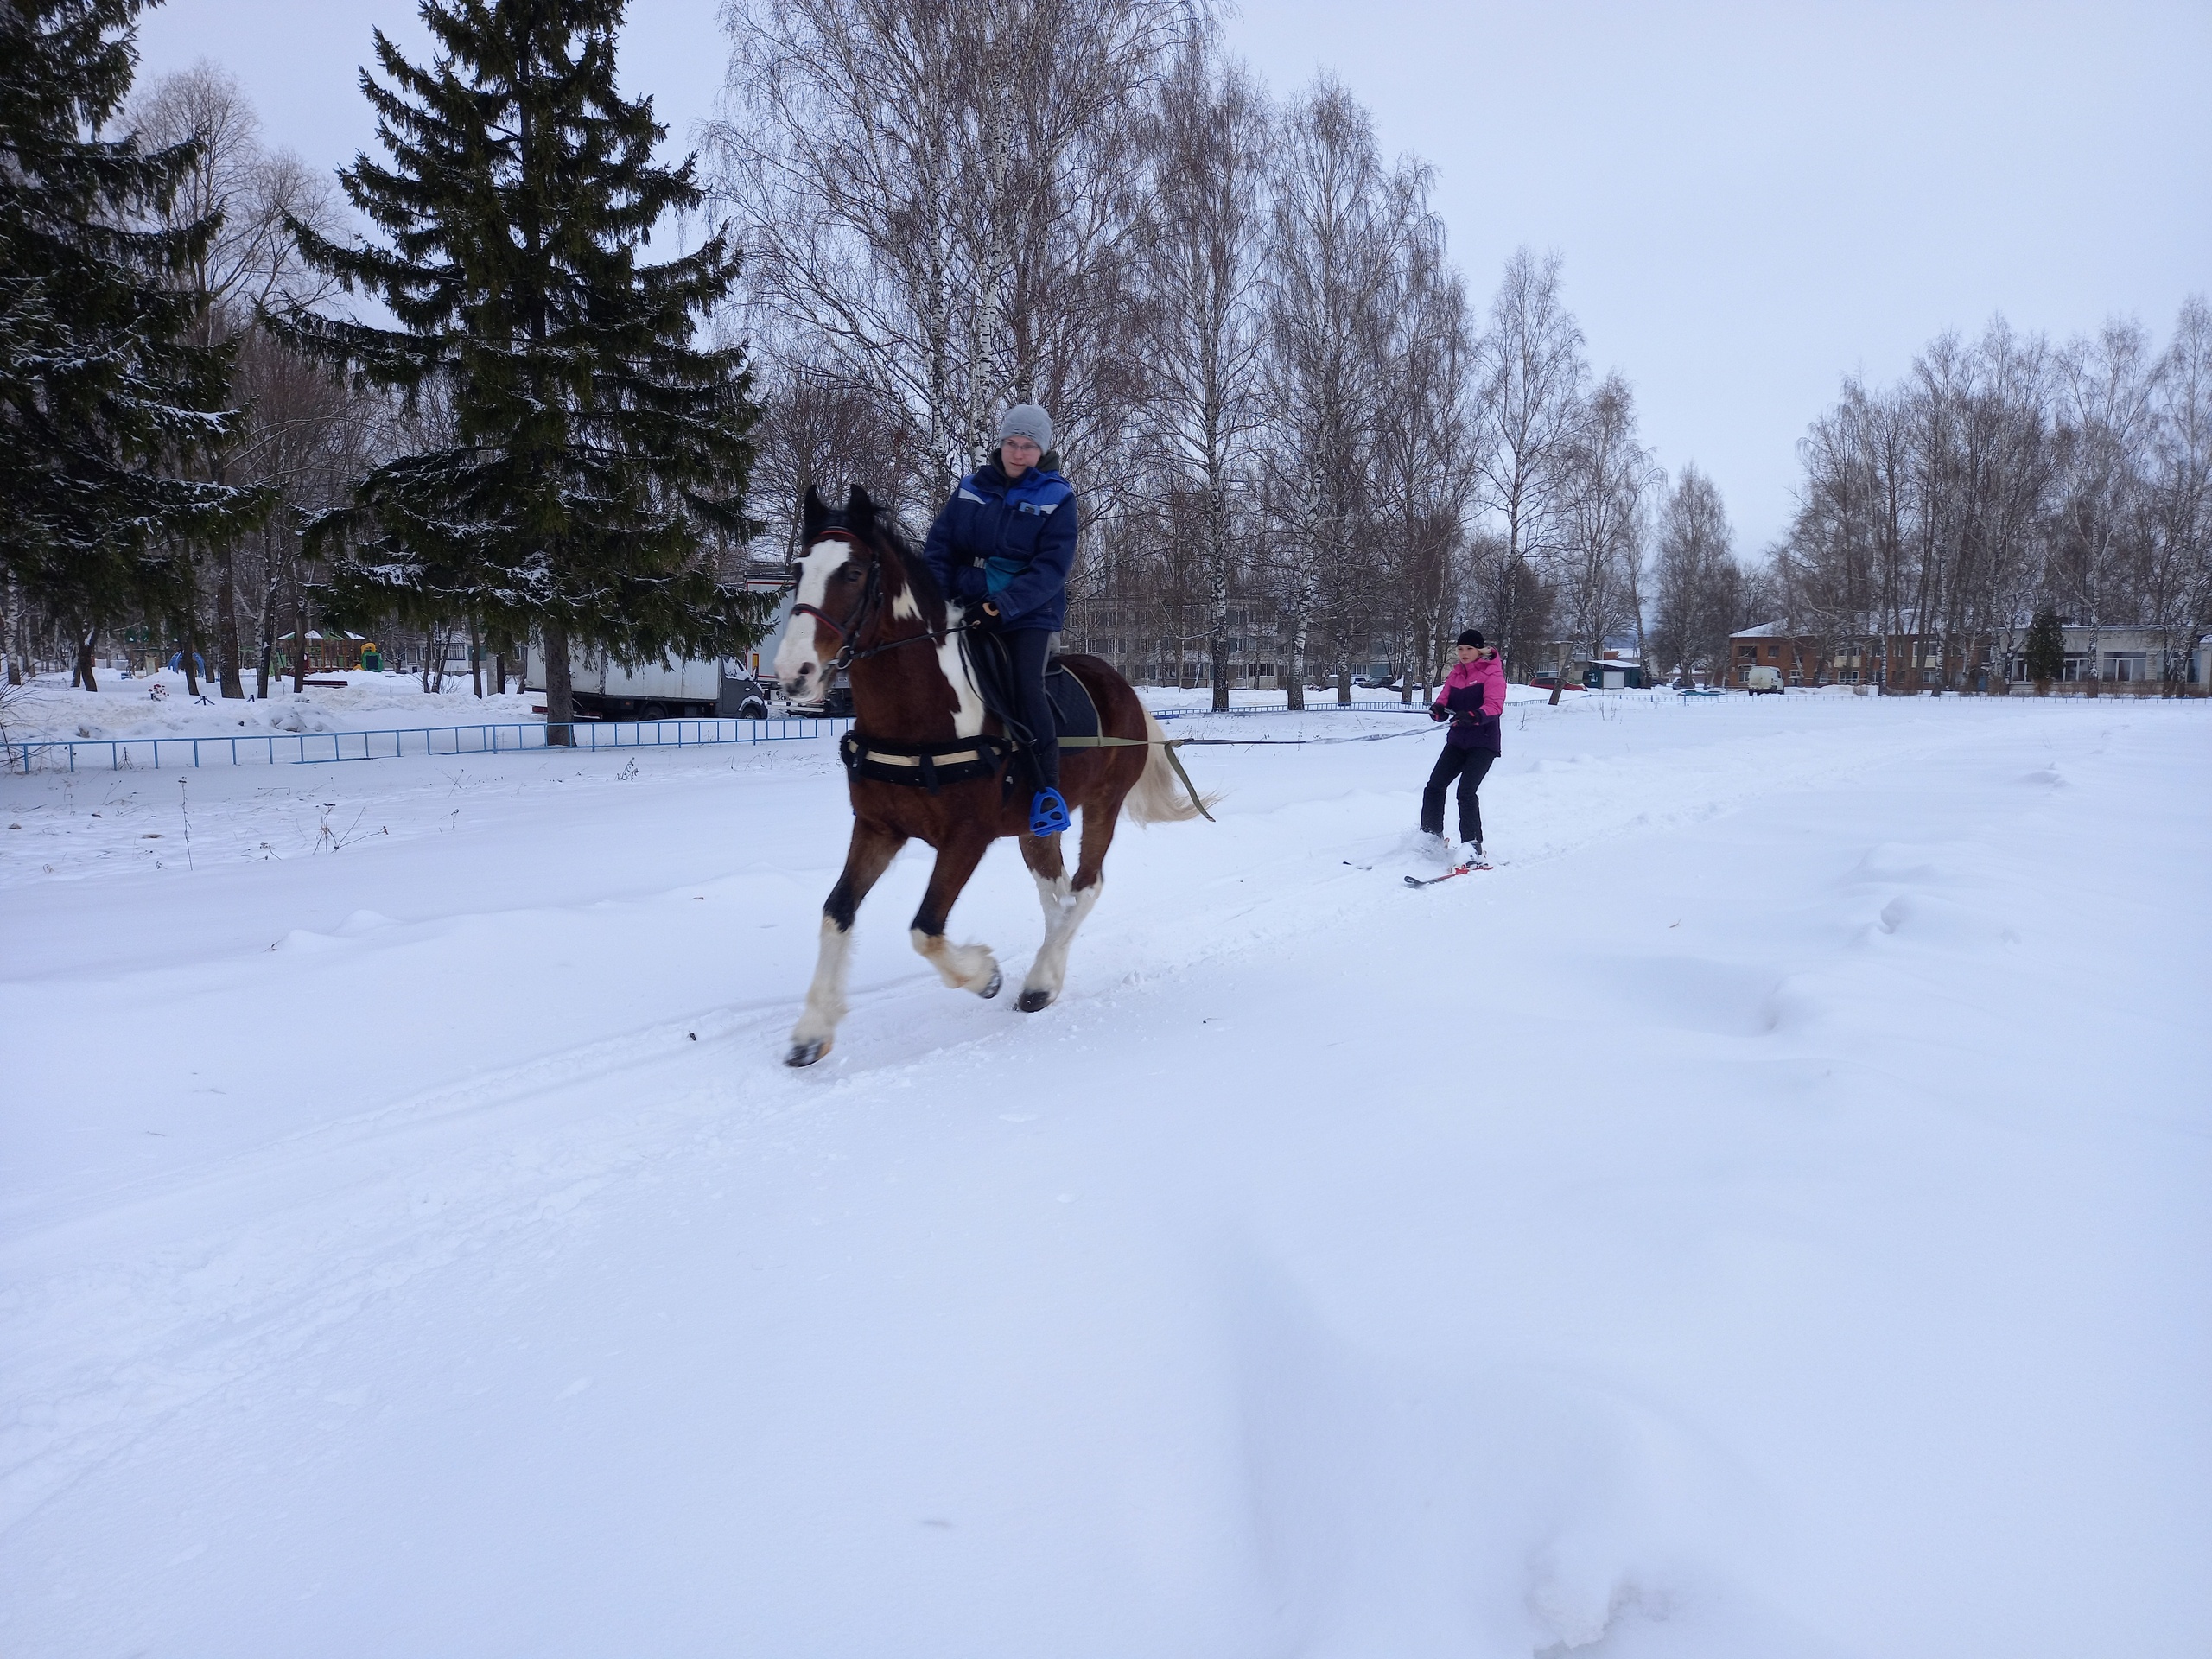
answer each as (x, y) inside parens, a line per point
(1159, 797)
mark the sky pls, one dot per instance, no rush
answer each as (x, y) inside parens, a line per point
(1751, 200)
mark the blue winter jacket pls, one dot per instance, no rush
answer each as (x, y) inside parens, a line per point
(1011, 543)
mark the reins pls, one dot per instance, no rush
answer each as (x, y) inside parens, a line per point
(850, 630)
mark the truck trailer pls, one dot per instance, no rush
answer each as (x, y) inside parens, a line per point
(680, 688)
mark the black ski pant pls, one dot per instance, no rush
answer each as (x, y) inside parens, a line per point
(1468, 765)
(1026, 648)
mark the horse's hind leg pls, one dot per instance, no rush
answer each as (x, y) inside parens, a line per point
(963, 967)
(866, 856)
(1066, 903)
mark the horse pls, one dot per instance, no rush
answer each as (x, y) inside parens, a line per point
(926, 761)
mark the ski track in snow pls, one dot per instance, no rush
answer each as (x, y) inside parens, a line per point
(1408, 1427)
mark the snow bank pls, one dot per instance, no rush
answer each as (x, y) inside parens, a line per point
(1762, 1217)
(49, 707)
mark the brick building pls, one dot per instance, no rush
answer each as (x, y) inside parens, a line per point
(2124, 655)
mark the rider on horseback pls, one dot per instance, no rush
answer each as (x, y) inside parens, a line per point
(1006, 541)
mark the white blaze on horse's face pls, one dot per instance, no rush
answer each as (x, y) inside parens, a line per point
(803, 659)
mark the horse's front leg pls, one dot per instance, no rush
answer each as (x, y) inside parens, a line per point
(963, 967)
(1065, 903)
(866, 857)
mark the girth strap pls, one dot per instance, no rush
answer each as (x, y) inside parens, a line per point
(921, 766)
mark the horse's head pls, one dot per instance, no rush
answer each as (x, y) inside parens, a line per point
(838, 578)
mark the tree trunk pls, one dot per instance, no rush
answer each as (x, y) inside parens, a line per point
(1344, 684)
(299, 637)
(476, 657)
(190, 656)
(226, 623)
(267, 648)
(1297, 676)
(1558, 678)
(1217, 589)
(560, 693)
(84, 659)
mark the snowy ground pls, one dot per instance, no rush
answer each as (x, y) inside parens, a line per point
(159, 705)
(1767, 1215)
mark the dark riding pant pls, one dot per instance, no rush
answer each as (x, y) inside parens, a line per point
(1026, 648)
(1469, 766)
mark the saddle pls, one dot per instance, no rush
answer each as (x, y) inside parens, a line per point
(1074, 713)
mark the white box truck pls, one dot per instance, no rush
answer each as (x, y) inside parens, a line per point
(682, 688)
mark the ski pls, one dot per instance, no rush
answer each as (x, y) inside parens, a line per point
(1430, 881)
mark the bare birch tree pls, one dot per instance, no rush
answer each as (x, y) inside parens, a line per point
(2105, 388)
(2177, 580)
(936, 197)
(1532, 379)
(1336, 257)
(1208, 141)
(248, 263)
(1697, 585)
(1607, 472)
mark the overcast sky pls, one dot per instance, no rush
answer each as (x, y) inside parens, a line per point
(1752, 200)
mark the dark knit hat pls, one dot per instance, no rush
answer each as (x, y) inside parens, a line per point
(1472, 637)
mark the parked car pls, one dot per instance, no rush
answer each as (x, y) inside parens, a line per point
(835, 703)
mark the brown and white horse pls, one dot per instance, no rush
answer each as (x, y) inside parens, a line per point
(866, 603)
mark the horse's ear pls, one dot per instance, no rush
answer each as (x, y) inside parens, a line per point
(813, 517)
(860, 509)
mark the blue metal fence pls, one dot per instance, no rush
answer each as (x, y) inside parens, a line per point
(125, 754)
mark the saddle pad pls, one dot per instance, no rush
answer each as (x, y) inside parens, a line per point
(1073, 712)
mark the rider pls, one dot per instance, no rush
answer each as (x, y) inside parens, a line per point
(1005, 539)
(1471, 697)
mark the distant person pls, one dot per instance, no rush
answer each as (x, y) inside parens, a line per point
(1472, 698)
(1006, 541)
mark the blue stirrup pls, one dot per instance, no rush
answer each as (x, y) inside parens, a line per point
(1048, 813)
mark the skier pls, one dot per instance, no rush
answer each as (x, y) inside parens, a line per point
(1471, 697)
(1005, 540)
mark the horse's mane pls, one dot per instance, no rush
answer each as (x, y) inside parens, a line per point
(912, 565)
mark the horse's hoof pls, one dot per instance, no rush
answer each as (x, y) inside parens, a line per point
(807, 1053)
(992, 990)
(1033, 1000)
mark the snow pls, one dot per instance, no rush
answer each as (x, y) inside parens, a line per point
(1766, 1216)
(49, 708)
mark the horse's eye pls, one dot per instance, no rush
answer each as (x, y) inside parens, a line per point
(848, 574)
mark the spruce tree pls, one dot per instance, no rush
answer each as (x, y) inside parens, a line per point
(2043, 652)
(107, 391)
(590, 452)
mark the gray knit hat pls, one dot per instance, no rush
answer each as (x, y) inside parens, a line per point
(1026, 421)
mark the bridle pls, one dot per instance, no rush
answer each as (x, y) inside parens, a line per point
(863, 616)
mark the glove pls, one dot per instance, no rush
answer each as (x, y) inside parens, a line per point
(1439, 714)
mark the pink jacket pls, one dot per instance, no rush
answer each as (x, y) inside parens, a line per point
(1485, 671)
(1469, 730)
